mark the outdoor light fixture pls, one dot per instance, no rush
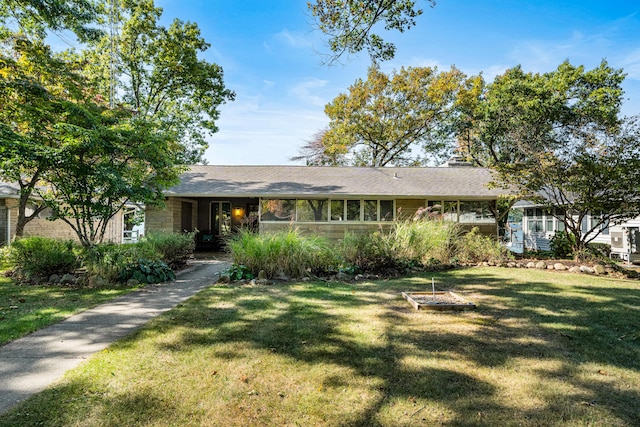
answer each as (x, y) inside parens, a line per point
(238, 212)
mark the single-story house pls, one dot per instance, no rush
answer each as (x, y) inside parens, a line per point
(119, 229)
(216, 200)
(539, 227)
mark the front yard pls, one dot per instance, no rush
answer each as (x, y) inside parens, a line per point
(27, 308)
(542, 349)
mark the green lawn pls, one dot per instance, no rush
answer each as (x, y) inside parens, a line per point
(24, 309)
(542, 349)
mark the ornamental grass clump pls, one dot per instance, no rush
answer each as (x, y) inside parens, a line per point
(425, 241)
(282, 254)
(473, 247)
(368, 252)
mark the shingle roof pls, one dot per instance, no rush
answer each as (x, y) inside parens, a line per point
(9, 190)
(324, 181)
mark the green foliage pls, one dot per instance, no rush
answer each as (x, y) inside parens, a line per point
(600, 250)
(238, 272)
(367, 252)
(42, 256)
(106, 164)
(147, 271)
(285, 253)
(36, 17)
(562, 244)
(425, 242)
(381, 118)
(349, 24)
(175, 249)
(164, 78)
(109, 260)
(559, 140)
(473, 247)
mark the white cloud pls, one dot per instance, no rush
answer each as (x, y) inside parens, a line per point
(309, 92)
(294, 39)
(631, 64)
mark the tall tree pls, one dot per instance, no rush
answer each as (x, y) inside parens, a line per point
(558, 138)
(384, 120)
(37, 91)
(162, 77)
(314, 153)
(109, 159)
(350, 24)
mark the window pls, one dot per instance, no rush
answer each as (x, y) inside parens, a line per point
(277, 210)
(450, 211)
(370, 210)
(386, 210)
(353, 210)
(549, 224)
(476, 212)
(323, 210)
(604, 227)
(311, 210)
(337, 210)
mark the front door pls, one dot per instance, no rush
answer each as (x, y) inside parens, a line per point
(221, 219)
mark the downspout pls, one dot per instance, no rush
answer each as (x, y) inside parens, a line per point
(8, 226)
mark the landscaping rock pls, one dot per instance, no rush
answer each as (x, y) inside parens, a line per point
(68, 279)
(132, 282)
(586, 269)
(54, 278)
(574, 269)
(541, 265)
(262, 275)
(549, 266)
(342, 276)
(531, 264)
(99, 281)
(598, 269)
(559, 266)
(224, 279)
(282, 276)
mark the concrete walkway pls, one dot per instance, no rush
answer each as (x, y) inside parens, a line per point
(30, 364)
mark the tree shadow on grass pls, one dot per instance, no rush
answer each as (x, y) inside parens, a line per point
(533, 321)
(423, 367)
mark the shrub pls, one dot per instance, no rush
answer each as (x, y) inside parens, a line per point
(600, 250)
(42, 256)
(284, 253)
(147, 271)
(109, 260)
(175, 249)
(474, 247)
(238, 272)
(562, 244)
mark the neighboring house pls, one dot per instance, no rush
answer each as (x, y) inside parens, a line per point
(119, 229)
(216, 200)
(539, 227)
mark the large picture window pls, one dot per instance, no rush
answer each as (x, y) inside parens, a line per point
(311, 210)
(478, 212)
(278, 210)
(324, 210)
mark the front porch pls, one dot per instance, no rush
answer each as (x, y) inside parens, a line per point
(213, 219)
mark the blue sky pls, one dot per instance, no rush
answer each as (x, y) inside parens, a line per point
(272, 58)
